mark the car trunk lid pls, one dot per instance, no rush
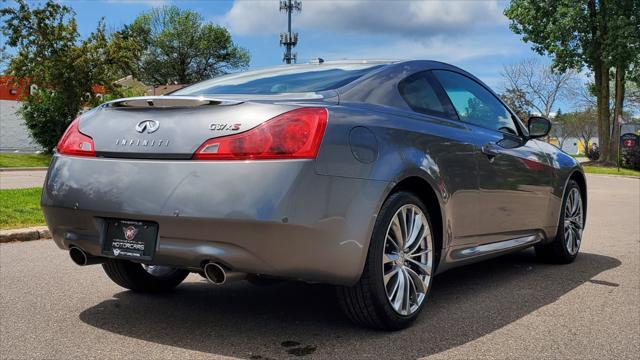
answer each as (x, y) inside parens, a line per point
(170, 127)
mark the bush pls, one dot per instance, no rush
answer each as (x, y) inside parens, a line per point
(47, 115)
(631, 159)
(593, 153)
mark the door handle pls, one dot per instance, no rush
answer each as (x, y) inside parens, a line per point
(491, 150)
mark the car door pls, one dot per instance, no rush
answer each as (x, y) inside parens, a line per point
(514, 182)
(444, 143)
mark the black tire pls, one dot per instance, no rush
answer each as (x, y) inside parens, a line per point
(134, 277)
(556, 252)
(366, 303)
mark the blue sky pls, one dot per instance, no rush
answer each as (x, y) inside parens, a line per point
(472, 34)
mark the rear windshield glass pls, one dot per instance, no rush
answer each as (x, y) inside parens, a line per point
(293, 79)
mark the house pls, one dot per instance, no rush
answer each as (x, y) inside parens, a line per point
(14, 135)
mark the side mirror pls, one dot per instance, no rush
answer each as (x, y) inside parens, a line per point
(538, 127)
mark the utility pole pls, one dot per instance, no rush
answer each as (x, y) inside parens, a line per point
(289, 39)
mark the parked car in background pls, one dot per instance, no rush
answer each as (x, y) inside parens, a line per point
(373, 176)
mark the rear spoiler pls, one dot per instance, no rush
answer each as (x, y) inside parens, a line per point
(168, 101)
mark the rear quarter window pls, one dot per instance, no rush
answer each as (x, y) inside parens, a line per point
(421, 95)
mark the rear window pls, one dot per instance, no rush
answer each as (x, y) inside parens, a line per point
(292, 79)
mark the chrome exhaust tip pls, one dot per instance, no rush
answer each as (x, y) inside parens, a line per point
(217, 275)
(81, 258)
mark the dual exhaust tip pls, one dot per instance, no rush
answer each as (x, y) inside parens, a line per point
(81, 258)
(214, 272)
(218, 275)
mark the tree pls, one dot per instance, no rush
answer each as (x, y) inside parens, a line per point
(517, 101)
(583, 124)
(168, 45)
(539, 85)
(50, 54)
(578, 33)
(623, 48)
(562, 128)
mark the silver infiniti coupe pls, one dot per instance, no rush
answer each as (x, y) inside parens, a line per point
(372, 176)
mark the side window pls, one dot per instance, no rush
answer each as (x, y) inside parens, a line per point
(421, 96)
(474, 103)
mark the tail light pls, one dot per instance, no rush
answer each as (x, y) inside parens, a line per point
(296, 134)
(73, 142)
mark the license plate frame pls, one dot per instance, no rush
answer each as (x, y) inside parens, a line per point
(130, 239)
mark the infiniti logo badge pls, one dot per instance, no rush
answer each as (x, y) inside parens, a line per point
(148, 125)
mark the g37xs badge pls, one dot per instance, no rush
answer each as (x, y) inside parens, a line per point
(147, 125)
(224, 127)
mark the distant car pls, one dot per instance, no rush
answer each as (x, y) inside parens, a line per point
(372, 176)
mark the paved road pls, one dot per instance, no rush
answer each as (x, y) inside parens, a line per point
(22, 179)
(511, 307)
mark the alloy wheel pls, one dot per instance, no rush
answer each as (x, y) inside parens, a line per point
(407, 260)
(573, 221)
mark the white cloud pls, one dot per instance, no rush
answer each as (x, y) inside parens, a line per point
(446, 49)
(408, 18)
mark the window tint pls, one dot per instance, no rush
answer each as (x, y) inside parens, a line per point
(289, 79)
(417, 90)
(474, 103)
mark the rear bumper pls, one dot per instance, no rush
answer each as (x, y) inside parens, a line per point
(277, 218)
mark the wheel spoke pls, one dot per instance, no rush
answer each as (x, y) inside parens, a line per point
(392, 242)
(424, 268)
(420, 253)
(416, 231)
(399, 293)
(389, 258)
(570, 241)
(396, 228)
(420, 285)
(395, 287)
(407, 295)
(390, 274)
(403, 227)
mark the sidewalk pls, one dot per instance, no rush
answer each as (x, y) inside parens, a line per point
(19, 179)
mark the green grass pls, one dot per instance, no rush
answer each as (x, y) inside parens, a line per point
(24, 160)
(20, 208)
(609, 170)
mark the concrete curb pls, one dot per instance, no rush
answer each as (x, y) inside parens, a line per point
(24, 169)
(26, 234)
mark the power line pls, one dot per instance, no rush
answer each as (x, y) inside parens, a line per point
(289, 39)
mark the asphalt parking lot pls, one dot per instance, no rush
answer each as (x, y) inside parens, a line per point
(511, 307)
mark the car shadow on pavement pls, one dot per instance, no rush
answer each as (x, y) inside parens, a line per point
(295, 319)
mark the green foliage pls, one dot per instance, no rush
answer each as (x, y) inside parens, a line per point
(631, 158)
(20, 208)
(597, 34)
(607, 170)
(168, 45)
(24, 160)
(164, 45)
(51, 55)
(47, 115)
(117, 92)
(580, 124)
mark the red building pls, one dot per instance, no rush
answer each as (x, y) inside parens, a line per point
(11, 89)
